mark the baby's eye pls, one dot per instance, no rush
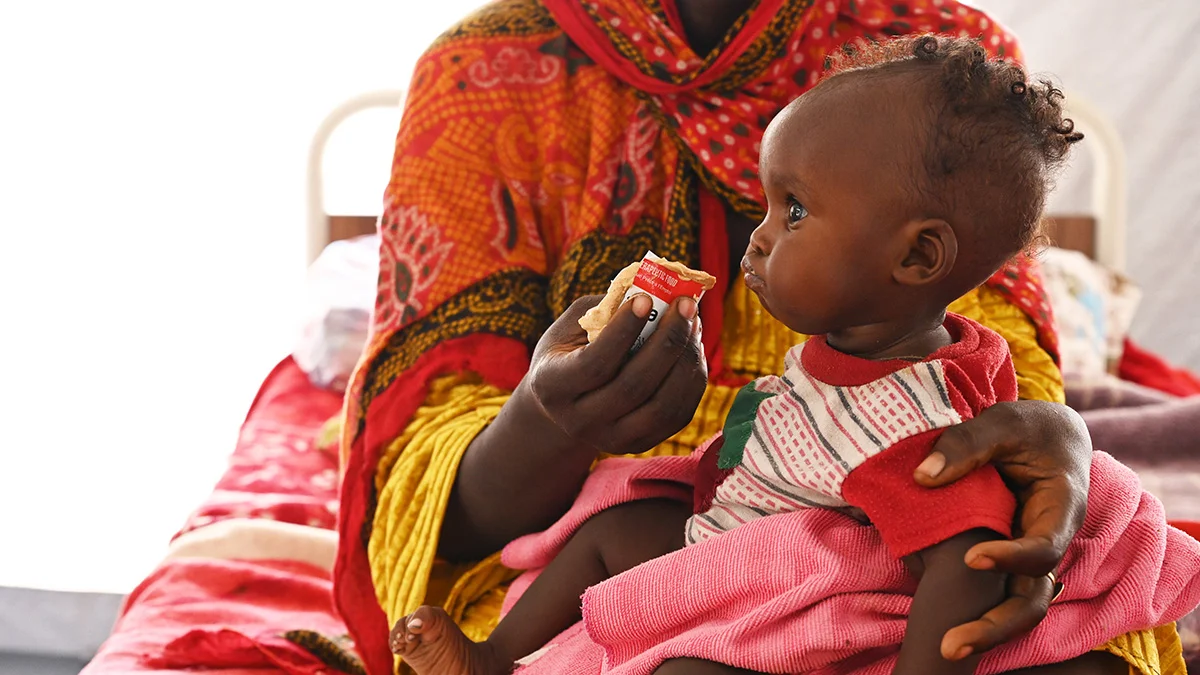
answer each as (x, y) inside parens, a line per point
(796, 211)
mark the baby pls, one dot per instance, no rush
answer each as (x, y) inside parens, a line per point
(898, 184)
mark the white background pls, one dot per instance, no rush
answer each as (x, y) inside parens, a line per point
(152, 161)
(1138, 62)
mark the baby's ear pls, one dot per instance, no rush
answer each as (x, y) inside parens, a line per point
(929, 249)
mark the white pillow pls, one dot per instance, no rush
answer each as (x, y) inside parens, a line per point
(340, 299)
(1093, 307)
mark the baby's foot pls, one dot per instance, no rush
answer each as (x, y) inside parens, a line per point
(432, 644)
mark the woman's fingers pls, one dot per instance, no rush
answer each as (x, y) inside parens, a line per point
(1030, 555)
(595, 365)
(1027, 603)
(1049, 517)
(1032, 445)
(672, 405)
(592, 392)
(965, 447)
(648, 369)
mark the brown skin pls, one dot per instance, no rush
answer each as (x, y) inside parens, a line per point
(842, 252)
(832, 207)
(705, 22)
(1043, 451)
(577, 400)
(835, 206)
(944, 575)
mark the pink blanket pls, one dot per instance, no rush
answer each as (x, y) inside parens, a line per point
(817, 592)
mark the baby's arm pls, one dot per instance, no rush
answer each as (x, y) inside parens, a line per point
(949, 594)
(932, 530)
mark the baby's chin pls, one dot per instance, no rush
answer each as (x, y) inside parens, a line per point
(794, 323)
(764, 299)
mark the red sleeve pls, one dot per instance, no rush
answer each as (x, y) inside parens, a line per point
(708, 474)
(911, 518)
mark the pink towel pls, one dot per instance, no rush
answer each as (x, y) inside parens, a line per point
(817, 592)
(614, 481)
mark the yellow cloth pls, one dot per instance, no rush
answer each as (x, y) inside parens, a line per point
(416, 471)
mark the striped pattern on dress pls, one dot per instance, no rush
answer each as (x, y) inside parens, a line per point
(810, 435)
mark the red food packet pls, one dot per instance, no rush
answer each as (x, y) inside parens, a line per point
(663, 285)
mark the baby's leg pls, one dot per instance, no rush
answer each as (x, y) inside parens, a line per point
(609, 543)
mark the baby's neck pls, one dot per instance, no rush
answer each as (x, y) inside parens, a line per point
(912, 339)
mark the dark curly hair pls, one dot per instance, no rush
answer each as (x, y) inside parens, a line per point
(998, 139)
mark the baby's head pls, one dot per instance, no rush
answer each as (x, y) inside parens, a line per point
(906, 178)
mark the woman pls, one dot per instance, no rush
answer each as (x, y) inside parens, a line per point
(544, 146)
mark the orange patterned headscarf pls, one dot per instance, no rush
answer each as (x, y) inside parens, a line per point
(545, 145)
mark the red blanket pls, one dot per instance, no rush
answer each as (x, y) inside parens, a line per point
(1150, 370)
(276, 471)
(228, 617)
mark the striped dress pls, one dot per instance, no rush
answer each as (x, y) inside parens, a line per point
(792, 441)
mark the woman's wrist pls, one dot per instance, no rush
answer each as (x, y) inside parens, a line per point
(518, 474)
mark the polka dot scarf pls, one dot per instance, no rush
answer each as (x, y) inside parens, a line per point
(718, 104)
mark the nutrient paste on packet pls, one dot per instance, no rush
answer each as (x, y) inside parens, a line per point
(662, 280)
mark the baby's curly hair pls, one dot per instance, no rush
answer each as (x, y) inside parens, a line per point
(998, 139)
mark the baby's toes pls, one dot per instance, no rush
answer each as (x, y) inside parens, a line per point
(401, 639)
(427, 623)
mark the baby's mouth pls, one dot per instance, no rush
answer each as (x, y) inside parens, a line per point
(751, 278)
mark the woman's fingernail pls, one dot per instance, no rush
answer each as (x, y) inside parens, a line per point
(641, 306)
(962, 653)
(687, 307)
(980, 562)
(932, 465)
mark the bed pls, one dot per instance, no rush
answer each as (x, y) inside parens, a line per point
(245, 585)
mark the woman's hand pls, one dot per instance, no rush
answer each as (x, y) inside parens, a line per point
(525, 469)
(1043, 451)
(602, 398)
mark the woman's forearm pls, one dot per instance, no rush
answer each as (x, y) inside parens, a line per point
(518, 476)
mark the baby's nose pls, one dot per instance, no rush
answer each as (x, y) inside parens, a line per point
(760, 240)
